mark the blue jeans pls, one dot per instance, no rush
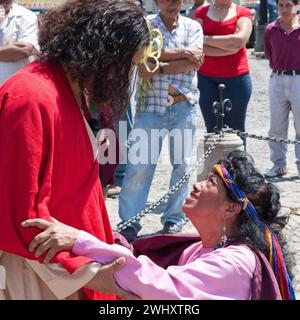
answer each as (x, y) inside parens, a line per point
(238, 90)
(272, 12)
(123, 138)
(182, 118)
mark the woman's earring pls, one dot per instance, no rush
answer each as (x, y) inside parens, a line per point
(86, 91)
(223, 239)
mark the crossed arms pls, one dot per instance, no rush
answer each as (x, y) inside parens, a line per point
(175, 61)
(228, 44)
(16, 51)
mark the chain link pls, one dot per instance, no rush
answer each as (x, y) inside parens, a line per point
(260, 137)
(185, 178)
(175, 188)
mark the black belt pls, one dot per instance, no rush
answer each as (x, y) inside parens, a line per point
(287, 72)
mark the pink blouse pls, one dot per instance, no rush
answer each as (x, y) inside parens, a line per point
(201, 274)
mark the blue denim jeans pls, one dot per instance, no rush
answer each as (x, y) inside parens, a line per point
(182, 118)
(272, 12)
(123, 138)
(238, 90)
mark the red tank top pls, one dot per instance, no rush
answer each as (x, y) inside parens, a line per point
(227, 66)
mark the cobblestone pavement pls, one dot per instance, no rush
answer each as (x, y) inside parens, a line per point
(257, 123)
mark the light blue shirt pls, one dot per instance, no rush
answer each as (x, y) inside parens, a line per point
(187, 33)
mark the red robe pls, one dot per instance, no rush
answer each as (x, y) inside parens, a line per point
(47, 165)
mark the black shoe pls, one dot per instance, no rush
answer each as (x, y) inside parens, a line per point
(129, 233)
(171, 227)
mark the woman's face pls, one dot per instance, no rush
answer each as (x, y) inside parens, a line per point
(208, 199)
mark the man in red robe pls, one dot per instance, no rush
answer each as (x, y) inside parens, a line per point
(48, 153)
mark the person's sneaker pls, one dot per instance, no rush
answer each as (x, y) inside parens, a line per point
(113, 191)
(171, 227)
(276, 172)
(129, 233)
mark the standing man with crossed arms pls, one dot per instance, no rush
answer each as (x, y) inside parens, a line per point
(18, 37)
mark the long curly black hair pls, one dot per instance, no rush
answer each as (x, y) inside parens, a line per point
(96, 39)
(265, 198)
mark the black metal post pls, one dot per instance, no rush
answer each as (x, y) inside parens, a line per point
(219, 108)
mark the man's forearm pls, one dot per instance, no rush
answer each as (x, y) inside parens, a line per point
(14, 53)
(169, 67)
(194, 54)
(170, 54)
(178, 66)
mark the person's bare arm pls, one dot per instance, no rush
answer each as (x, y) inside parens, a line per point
(216, 52)
(170, 67)
(193, 54)
(179, 66)
(234, 41)
(15, 51)
(212, 51)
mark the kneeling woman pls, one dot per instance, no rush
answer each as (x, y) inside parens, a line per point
(234, 212)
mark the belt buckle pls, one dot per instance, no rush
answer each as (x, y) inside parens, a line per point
(170, 100)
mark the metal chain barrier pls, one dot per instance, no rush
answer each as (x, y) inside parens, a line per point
(260, 137)
(185, 178)
(175, 188)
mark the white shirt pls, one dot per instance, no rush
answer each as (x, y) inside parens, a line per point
(20, 24)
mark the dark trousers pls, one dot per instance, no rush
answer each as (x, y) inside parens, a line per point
(121, 168)
(238, 90)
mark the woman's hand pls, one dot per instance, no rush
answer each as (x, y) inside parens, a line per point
(56, 237)
(104, 281)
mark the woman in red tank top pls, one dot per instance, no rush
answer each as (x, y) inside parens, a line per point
(227, 28)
